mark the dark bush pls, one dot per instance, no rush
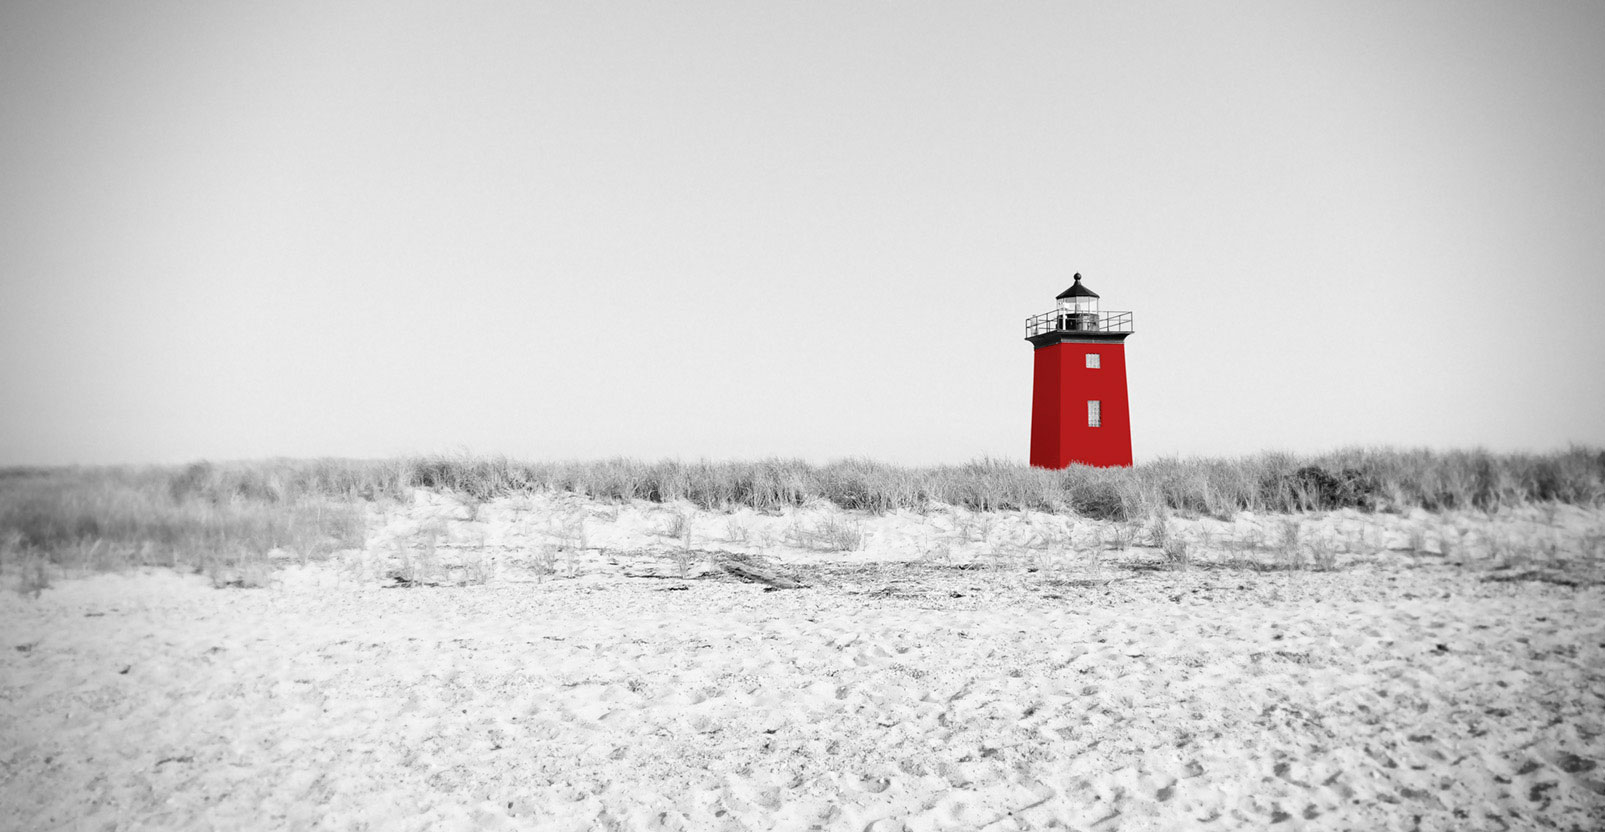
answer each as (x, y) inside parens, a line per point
(195, 479)
(1313, 488)
(1097, 500)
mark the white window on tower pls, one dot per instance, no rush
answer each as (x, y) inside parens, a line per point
(1094, 413)
(1092, 360)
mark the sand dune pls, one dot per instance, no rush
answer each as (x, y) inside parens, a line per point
(902, 688)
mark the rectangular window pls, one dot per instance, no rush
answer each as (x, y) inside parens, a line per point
(1092, 360)
(1094, 413)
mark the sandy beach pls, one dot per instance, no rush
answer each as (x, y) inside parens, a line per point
(562, 664)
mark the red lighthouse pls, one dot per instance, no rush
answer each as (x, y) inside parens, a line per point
(1079, 412)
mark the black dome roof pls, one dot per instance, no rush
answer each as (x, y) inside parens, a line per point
(1077, 290)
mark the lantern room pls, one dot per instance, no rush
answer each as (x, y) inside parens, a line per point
(1078, 307)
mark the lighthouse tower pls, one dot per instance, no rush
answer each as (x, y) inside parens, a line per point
(1079, 412)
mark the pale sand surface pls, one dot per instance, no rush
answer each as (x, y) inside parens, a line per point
(926, 682)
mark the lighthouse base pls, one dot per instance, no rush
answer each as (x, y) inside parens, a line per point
(1079, 409)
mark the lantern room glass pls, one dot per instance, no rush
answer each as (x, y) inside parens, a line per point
(1078, 304)
(1078, 313)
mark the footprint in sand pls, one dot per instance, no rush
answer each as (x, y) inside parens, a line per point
(1570, 763)
(1285, 772)
(873, 785)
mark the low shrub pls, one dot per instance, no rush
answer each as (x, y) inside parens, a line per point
(1097, 499)
(1312, 488)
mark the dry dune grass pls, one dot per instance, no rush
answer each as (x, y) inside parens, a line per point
(231, 526)
(229, 517)
(1367, 478)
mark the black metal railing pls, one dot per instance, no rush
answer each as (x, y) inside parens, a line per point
(1057, 321)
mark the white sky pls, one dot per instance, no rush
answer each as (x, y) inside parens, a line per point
(739, 230)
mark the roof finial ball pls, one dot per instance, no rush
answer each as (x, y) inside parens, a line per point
(1079, 409)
